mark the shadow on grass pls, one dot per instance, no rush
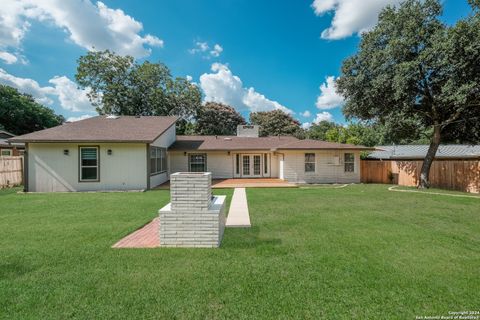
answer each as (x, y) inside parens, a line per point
(247, 238)
(10, 270)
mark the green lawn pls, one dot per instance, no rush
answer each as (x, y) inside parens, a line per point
(357, 252)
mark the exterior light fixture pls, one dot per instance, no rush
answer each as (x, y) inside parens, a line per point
(66, 152)
(109, 152)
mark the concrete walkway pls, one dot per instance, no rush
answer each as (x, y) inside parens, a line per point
(238, 215)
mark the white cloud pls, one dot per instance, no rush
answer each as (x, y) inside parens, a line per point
(189, 78)
(63, 89)
(199, 47)
(70, 97)
(306, 114)
(30, 86)
(323, 116)
(350, 16)
(82, 117)
(91, 26)
(306, 125)
(8, 58)
(204, 49)
(329, 98)
(225, 87)
(217, 50)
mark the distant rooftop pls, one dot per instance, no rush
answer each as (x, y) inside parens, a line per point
(103, 129)
(448, 151)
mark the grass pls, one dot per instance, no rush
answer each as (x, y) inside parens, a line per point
(358, 252)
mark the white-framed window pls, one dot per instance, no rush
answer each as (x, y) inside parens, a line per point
(6, 152)
(309, 162)
(349, 162)
(89, 164)
(158, 160)
(197, 162)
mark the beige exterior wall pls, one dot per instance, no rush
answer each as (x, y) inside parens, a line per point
(326, 170)
(49, 170)
(220, 163)
(164, 141)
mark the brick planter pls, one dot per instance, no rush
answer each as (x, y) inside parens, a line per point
(193, 218)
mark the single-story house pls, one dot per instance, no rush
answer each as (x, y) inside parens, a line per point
(418, 152)
(9, 149)
(129, 152)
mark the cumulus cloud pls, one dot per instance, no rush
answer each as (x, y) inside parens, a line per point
(306, 125)
(204, 49)
(63, 89)
(7, 57)
(306, 114)
(323, 116)
(91, 26)
(350, 16)
(329, 98)
(223, 86)
(217, 50)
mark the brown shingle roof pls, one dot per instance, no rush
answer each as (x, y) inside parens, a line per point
(102, 129)
(320, 145)
(212, 143)
(221, 143)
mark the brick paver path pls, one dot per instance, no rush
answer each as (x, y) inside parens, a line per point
(145, 237)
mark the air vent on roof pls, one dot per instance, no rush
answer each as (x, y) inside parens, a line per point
(112, 116)
(227, 139)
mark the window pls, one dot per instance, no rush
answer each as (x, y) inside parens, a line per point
(197, 162)
(6, 152)
(309, 162)
(158, 160)
(349, 162)
(89, 165)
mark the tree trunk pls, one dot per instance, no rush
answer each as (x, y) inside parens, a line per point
(427, 162)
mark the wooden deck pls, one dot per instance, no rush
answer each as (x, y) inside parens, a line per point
(242, 183)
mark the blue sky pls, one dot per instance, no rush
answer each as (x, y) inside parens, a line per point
(254, 55)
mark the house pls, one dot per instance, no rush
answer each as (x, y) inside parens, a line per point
(8, 149)
(418, 152)
(128, 152)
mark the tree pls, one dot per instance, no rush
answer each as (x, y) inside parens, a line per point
(317, 131)
(415, 74)
(218, 119)
(20, 114)
(119, 85)
(275, 123)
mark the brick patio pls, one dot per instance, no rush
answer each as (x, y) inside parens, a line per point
(145, 237)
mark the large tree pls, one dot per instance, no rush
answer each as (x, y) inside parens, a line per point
(276, 123)
(318, 130)
(218, 119)
(414, 74)
(20, 114)
(119, 85)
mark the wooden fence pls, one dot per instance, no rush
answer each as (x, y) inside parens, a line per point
(446, 174)
(11, 171)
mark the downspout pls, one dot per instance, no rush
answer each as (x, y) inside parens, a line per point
(25, 168)
(148, 165)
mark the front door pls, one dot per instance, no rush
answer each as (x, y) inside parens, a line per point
(251, 165)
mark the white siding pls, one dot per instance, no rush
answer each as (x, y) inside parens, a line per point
(219, 163)
(50, 170)
(164, 141)
(326, 171)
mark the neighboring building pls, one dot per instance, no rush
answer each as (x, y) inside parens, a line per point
(126, 152)
(8, 149)
(418, 152)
